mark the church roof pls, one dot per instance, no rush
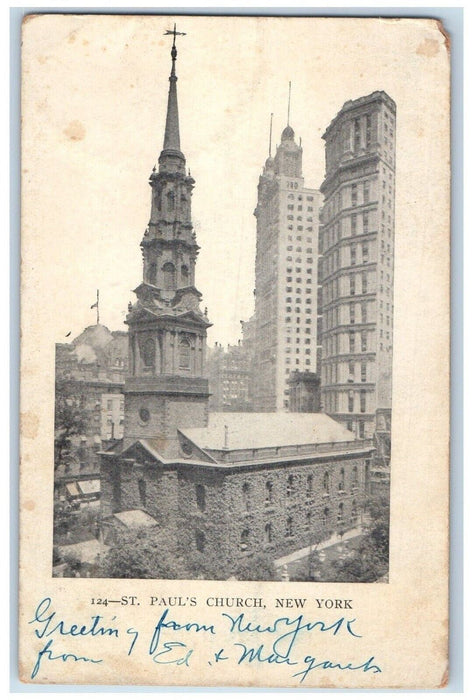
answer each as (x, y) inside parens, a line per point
(258, 430)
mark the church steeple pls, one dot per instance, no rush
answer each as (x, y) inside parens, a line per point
(172, 145)
(167, 328)
(169, 245)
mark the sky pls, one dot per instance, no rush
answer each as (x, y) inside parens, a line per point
(95, 98)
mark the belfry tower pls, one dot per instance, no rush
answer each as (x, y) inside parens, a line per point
(166, 388)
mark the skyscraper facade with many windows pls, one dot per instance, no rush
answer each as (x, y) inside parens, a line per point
(286, 276)
(356, 244)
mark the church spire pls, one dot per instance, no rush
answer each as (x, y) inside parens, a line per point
(171, 145)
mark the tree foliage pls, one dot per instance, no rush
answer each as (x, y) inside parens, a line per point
(259, 567)
(144, 553)
(198, 565)
(369, 561)
(70, 419)
(140, 553)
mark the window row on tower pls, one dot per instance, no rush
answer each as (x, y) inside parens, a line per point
(346, 343)
(300, 197)
(348, 196)
(369, 132)
(346, 285)
(168, 276)
(348, 256)
(299, 238)
(348, 314)
(348, 226)
(347, 372)
(168, 352)
(298, 207)
(348, 401)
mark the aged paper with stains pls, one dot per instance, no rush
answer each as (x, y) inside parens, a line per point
(94, 95)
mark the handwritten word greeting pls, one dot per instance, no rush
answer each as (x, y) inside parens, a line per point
(174, 637)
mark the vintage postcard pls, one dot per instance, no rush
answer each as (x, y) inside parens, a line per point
(235, 351)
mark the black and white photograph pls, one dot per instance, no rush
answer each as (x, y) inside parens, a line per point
(265, 456)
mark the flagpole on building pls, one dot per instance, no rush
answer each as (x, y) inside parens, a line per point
(96, 306)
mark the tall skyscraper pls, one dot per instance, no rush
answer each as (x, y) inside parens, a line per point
(356, 269)
(167, 329)
(286, 275)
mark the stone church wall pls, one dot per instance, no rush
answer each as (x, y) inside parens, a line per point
(221, 515)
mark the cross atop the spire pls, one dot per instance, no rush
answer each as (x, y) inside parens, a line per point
(171, 146)
(174, 33)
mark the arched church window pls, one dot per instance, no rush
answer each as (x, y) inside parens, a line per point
(184, 354)
(354, 478)
(326, 482)
(200, 496)
(170, 196)
(269, 493)
(199, 540)
(354, 513)
(142, 491)
(246, 496)
(158, 197)
(152, 273)
(326, 517)
(289, 527)
(149, 352)
(169, 276)
(185, 275)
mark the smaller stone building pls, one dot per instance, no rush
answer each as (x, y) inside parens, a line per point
(245, 484)
(304, 392)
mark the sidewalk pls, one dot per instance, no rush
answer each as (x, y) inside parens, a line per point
(305, 552)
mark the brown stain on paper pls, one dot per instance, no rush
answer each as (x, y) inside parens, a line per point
(445, 679)
(29, 505)
(29, 423)
(75, 130)
(28, 18)
(428, 47)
